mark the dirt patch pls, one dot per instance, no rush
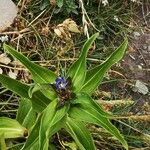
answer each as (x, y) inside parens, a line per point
(137, 60)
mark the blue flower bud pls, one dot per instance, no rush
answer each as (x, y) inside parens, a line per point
(61, 83)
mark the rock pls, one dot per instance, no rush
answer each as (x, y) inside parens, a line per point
(140, 87)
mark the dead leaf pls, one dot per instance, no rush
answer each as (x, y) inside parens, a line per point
(71, 25)
(13, 75)
(17, 63)
(4, 59)
(53, 2)
(58, 32)
(63, 30)
(8, 11)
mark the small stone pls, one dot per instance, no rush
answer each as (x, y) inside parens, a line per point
(140, 87)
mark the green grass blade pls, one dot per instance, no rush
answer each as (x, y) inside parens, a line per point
(39, 74)
(91, 115)
(80, 134)
(10, 128)
(77, 71)
(95, 76)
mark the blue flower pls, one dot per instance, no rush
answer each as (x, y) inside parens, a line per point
(61, 83)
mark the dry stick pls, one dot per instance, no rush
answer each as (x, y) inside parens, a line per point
(16, 32)
(85, 22)
(144, 14)
(135, 117)
(129, 126)
(37, 17)
(115, 102)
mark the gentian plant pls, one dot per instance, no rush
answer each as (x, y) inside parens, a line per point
(54, 102)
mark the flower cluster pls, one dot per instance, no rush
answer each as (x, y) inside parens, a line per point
(61, 83)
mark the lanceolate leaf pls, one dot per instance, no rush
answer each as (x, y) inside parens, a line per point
(92, 116)
(47, 117)
(33, 138)
(26, 116)
(46, 89)
(48, 123)
(95, 75)
(60, 3)
(10, 128)
(39, 74)
(80, 134)
(77, 71)
(2, 143)
(51, 122)
(14, 85)
(58, 120)
(85, 101)
(39, 101)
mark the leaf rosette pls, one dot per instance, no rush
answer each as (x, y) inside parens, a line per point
(64, 102)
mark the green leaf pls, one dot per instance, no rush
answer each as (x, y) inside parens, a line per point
(15, 147)
(47, 116)
(44, 4)
(2, 143)
(10, 128)
(26, 116)
(93, 116)
(80, 134)
(33, 138)
(39, 74)
(46, 89)
(85, 101)
(39, 101)
(52, 146)
(77, 71)
(14, 85)
(95, 76)
(51, 122)
(48, 123)
(60, 3)
(58, 120)
(72, 145)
